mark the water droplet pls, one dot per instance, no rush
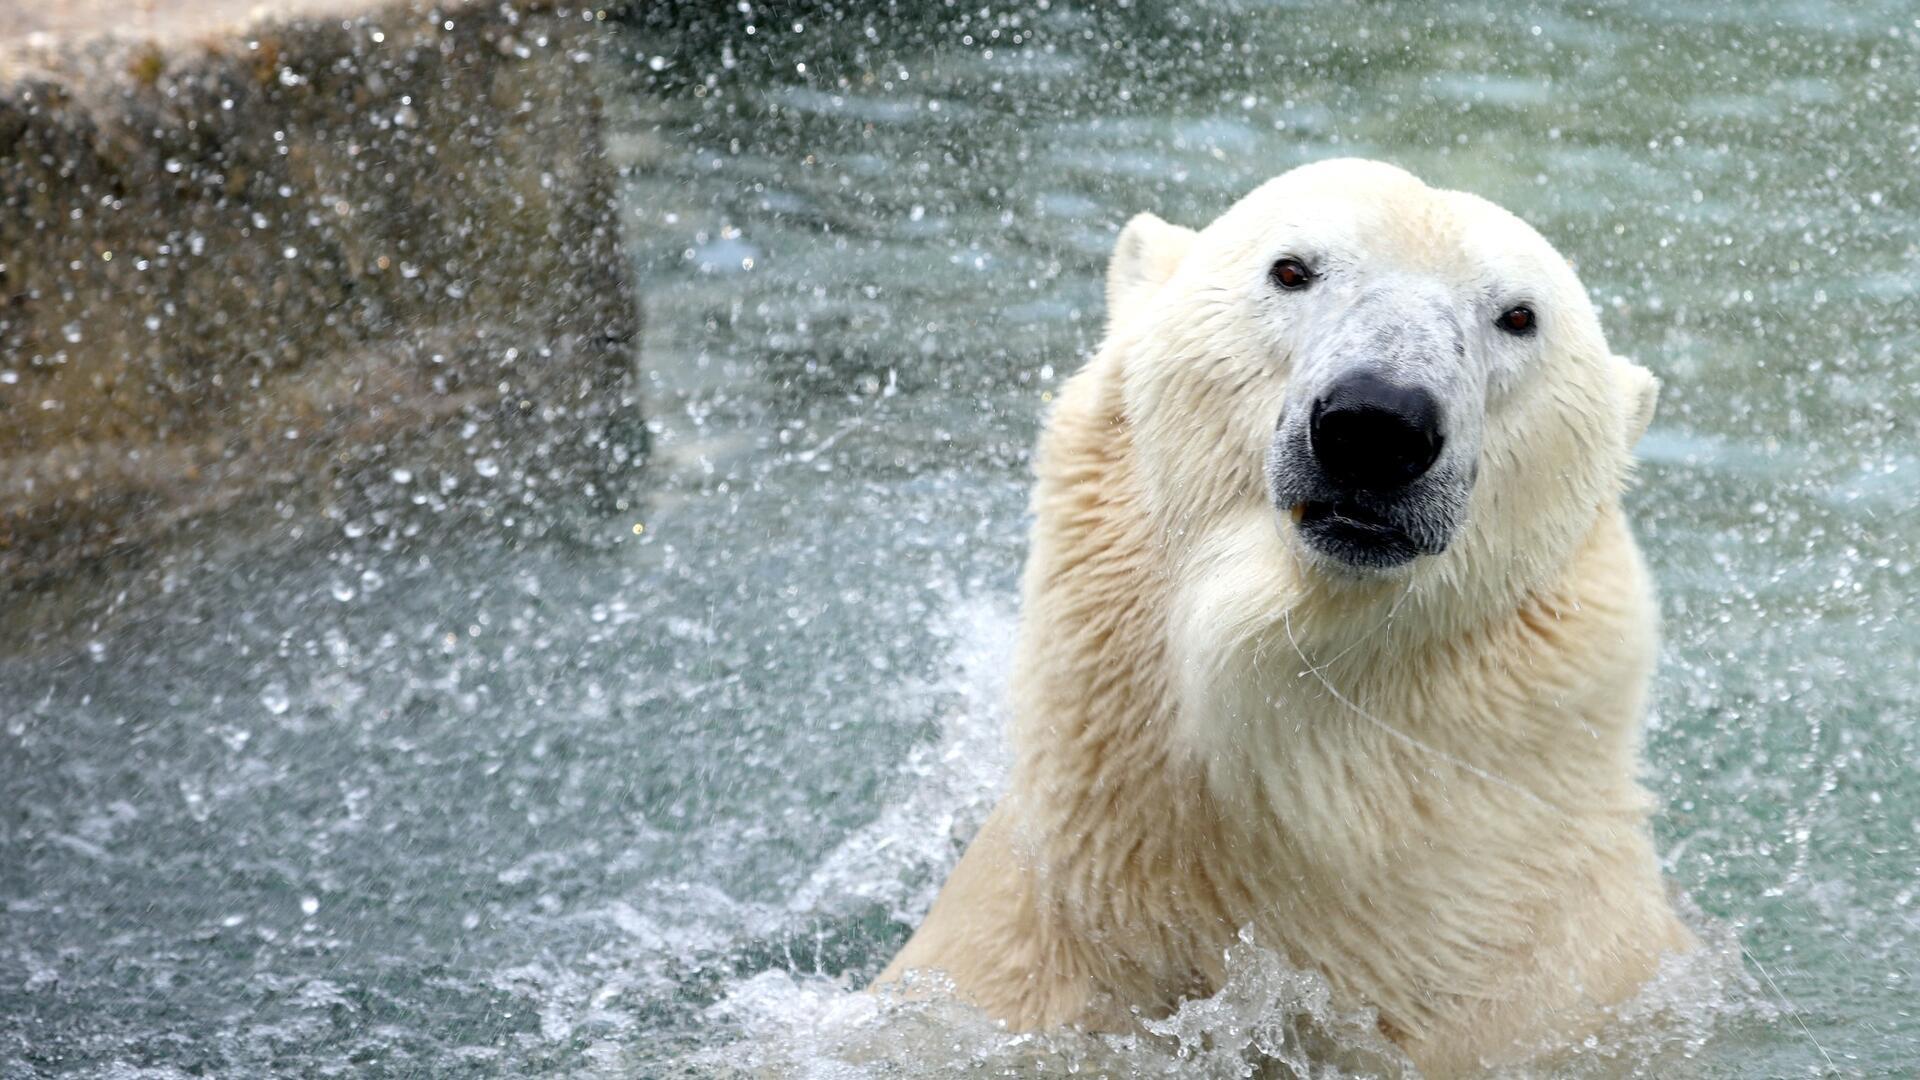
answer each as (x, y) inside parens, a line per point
(487, 467)
(341, 591)
(275, 698)
(309, 904)
(72, 332)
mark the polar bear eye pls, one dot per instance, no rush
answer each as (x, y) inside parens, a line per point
(1291, 274)
(1517, 321)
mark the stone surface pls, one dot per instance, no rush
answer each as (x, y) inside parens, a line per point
(37, 24)
(249, 263)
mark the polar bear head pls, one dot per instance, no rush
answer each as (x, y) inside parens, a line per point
(1353, 383)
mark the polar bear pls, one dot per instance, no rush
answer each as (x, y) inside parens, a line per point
(1332, 630)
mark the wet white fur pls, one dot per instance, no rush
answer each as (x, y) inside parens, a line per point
(1420, 782)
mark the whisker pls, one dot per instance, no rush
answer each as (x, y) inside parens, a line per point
(1791, 1011)
(1406, 739)
(1368, 636)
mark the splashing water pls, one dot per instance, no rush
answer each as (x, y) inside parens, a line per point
(901, 859)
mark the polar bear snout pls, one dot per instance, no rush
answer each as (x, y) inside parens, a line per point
(1362, 473)
(1370, 435)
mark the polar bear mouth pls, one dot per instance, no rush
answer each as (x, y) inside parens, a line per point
(1373, 472)
(1356, 536)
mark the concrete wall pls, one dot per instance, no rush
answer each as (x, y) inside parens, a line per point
(247, 264)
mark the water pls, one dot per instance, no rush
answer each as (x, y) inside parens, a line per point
(480, 773)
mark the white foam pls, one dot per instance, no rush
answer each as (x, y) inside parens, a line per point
(816, 1028)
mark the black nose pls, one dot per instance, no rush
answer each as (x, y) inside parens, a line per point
(1371, 435)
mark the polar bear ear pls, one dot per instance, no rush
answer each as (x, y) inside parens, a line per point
(1145, 256)
(1642, 392)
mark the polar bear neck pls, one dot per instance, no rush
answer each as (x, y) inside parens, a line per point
(1316, 796)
